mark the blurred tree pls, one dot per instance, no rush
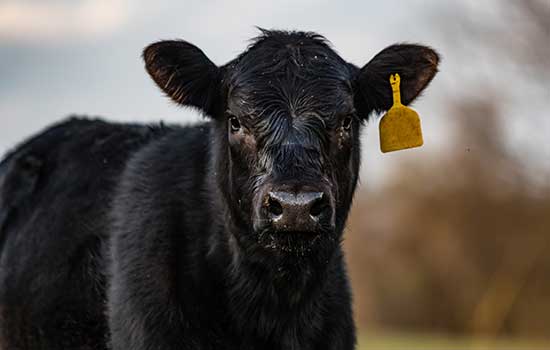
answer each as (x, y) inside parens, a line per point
(461, 243)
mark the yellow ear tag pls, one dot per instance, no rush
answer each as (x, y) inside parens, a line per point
(400, 127)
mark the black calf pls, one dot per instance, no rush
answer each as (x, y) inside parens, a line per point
(222, 235)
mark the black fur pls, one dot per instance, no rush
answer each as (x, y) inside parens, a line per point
(136, 237)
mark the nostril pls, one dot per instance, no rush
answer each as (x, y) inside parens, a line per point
(318, 207)
(274, 207)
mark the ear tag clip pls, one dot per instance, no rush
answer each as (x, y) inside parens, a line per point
(400, 126)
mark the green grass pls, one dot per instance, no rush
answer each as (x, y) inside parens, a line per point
(391, 341)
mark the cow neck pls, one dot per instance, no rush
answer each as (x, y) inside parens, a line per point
(265, 305)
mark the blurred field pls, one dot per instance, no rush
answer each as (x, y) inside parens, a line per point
(393, 341)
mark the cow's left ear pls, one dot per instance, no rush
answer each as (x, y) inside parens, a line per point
(416, 65)
(184, 73)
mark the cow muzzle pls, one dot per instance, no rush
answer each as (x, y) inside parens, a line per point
(307, 210)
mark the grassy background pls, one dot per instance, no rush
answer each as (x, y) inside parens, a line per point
(414, 341)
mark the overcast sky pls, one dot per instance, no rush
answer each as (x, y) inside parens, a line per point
(61, 57)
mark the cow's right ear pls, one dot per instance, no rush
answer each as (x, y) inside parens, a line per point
(184, 73)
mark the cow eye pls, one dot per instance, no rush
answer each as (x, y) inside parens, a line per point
(234, 124)
(347, 122)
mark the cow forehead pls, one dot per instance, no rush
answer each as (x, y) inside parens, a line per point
(292, 57)
(308, 83)
(289, 73)
(297, 95)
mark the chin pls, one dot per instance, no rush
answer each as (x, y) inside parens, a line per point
(298, 248)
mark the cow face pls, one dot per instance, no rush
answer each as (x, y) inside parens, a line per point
(288, 113)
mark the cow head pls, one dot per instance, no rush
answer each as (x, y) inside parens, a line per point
(288, 114)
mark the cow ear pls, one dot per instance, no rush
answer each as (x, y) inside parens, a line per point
(184, 73)
(416, 65)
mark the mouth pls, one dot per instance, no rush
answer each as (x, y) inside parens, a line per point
(299, 243)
